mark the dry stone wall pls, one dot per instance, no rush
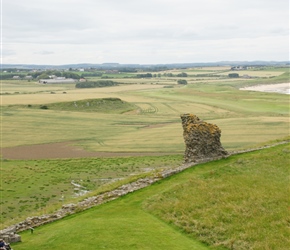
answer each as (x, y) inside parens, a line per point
(9, 234)
(202, 145)
(202, 139)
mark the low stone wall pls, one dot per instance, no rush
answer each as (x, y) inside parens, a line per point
(76, 207)
(9, 234)
(32, 222)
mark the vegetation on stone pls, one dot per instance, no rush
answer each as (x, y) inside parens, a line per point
(202, 139)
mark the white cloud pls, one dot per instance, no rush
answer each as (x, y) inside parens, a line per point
(44, 52)
(152, 31)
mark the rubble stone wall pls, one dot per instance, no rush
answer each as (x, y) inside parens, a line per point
(202, 145)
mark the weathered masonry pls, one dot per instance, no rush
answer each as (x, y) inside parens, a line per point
(202, 139)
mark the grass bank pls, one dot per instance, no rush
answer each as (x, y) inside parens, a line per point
(102, 105)
(236, 203)
(40, 186)
(239, 203)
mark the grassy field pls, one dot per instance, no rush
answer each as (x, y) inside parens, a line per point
(39, 186)
(236, 203)
(148, 121)
(99, 105)
(155, 124)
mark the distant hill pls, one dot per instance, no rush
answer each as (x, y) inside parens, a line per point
(169, 65)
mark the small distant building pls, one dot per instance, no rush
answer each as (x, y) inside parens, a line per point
(16, 77)
(82, 80)
(239, 68)
(82, 70)
(28, 77)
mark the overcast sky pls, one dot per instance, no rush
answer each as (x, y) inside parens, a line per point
(143, 31)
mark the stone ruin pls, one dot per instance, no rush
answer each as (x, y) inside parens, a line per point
(202, 140)
(9, 235)
(202, 144)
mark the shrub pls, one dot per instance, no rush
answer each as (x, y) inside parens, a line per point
(233, 75)
(184, 82)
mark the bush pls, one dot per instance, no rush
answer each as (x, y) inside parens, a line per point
(182, 74)
(184, 82)
(233, 75)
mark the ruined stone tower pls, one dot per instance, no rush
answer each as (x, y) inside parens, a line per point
(202, 139)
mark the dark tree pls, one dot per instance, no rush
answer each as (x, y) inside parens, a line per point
(234, 75)
(184, 82)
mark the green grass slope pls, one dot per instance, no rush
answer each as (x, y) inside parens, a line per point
(241, 202)
(102, 105)
(40, 186)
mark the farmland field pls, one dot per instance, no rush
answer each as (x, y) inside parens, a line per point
(154, 126)
(52, 135)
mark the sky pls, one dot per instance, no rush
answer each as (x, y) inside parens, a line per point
(57, 32)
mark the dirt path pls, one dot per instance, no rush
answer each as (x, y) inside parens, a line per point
(61, 150)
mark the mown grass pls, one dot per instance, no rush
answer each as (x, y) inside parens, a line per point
(37, 186)
(239, 203)
(118, 225)
(246, 118)
(236, 203)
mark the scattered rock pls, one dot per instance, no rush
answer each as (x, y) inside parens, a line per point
(9, 235)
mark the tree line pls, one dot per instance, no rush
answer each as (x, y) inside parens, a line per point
(96, 84)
